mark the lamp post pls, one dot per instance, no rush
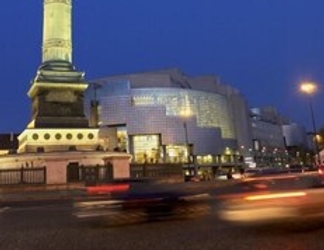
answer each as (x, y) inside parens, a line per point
(94, 105)
(186, 114)
(310, 88)
(186, 140)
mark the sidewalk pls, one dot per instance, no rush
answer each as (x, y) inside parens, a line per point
(39, 192)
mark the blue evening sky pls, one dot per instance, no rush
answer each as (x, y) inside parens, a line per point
(264, 48)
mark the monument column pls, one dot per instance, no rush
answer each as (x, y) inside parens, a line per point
(59, 132)
(57, 43)
(57, 90)
(58, 120)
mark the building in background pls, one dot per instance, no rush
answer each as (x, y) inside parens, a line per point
(297, 144)
(167, 116)
(268, 141)
(277, 141)
(8, 143)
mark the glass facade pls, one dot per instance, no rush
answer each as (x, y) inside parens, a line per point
(166, 116)
(168, 124)
(165, 122)
(211, 110)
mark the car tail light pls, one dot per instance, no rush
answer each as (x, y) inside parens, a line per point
(103, 189)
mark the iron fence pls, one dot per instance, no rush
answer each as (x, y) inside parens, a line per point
(88, 174)
(156, 170)
(23, 176)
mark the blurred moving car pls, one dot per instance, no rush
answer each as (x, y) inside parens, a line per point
(127, 201)
(295, 168)
(193, 178)
(321, 170)
(262, 171)
(226, 174)
(275, 199)
(250, 172)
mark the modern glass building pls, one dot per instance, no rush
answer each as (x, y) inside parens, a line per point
(269, 146)
(301, 147)
(166, 116)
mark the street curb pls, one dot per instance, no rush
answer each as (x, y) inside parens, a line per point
(60, 192)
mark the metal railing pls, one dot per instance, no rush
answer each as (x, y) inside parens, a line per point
(23, 176)
(76, 173)
(156, 170)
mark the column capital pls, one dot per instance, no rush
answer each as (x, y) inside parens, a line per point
(58, 1)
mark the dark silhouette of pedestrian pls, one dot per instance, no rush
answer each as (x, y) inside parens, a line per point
(229, 174)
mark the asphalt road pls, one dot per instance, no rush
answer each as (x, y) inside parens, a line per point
(50, 226)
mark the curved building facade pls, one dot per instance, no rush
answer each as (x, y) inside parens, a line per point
(165, 116)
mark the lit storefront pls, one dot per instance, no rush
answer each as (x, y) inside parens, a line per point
(146, 148)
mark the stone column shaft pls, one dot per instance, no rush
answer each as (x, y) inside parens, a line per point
(57, 41)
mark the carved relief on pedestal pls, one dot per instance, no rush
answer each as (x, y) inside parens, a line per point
(64, 110)
(61, 96)
(56, 109)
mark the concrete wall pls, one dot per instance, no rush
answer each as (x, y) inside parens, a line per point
(56, 163)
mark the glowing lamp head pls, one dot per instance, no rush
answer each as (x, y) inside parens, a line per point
(308, 88)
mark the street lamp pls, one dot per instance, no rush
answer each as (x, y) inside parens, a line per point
(186, 113)
(94, 106)
(310, 88)
(187, 141)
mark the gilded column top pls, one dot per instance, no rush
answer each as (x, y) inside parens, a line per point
(58, 1)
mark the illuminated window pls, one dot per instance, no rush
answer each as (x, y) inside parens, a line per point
(205, 159)
(146, 148)
(122, 138)
(176, 154)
